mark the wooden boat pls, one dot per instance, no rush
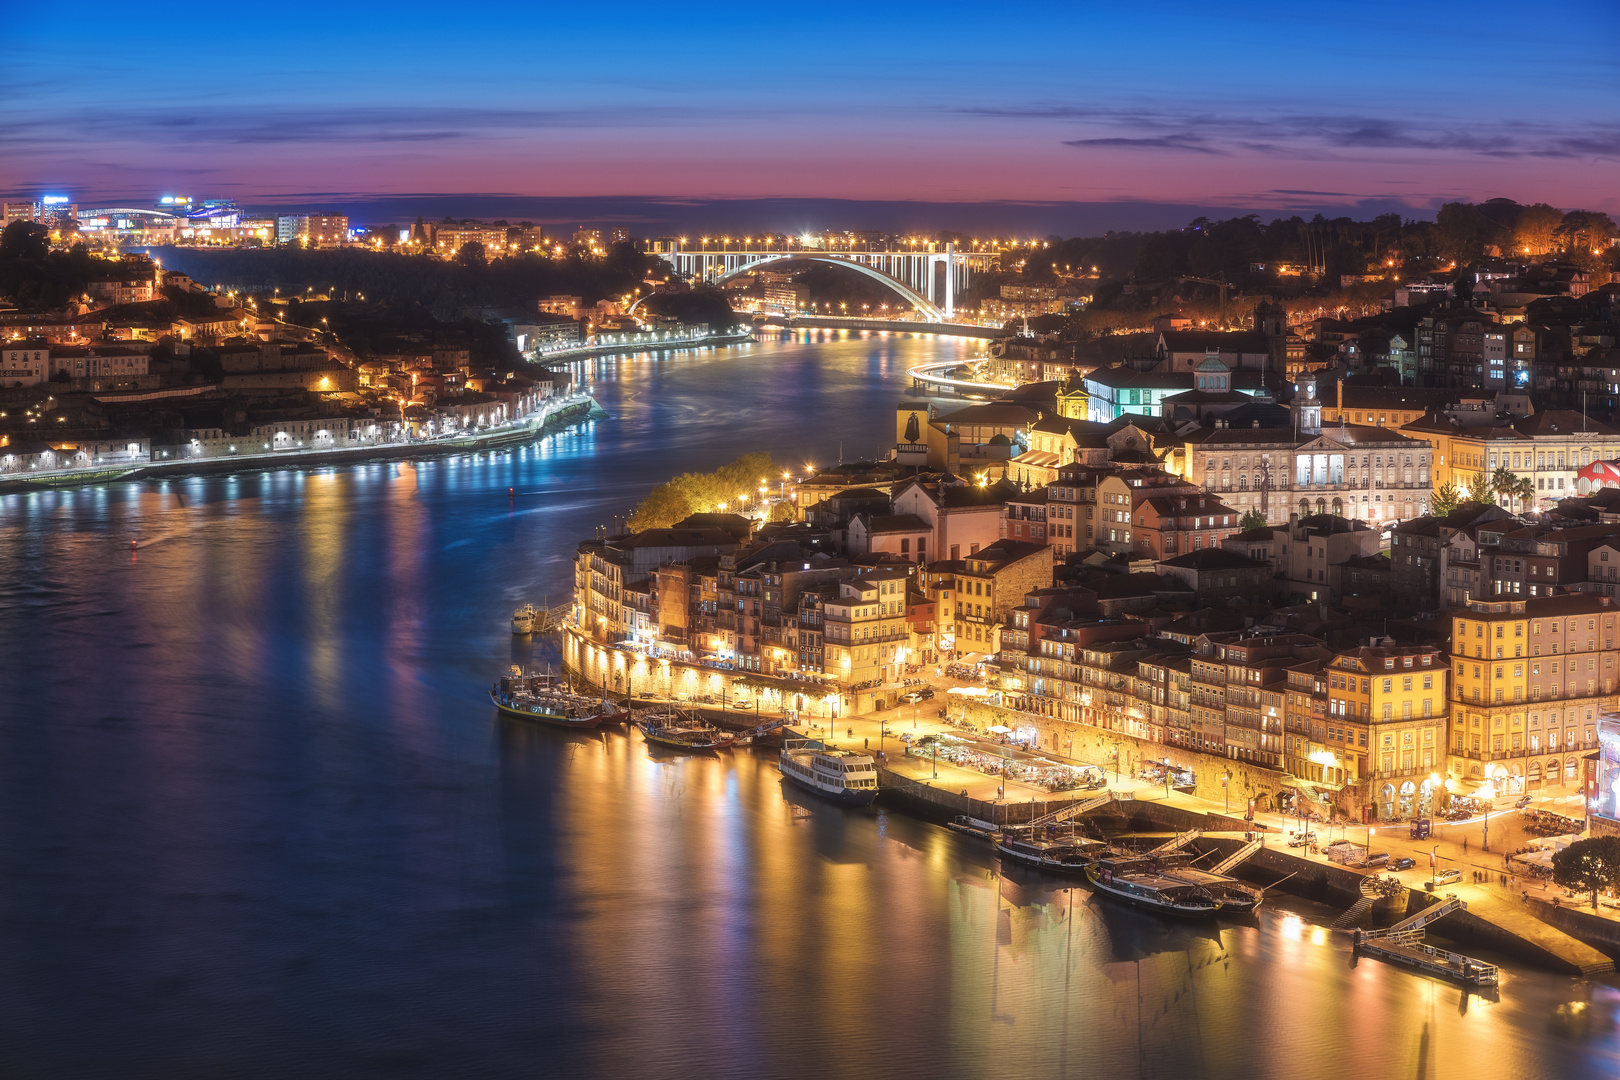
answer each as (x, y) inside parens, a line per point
(543, 699)
(1065, 854)
(683, 731)
(968, 825)
(844, 776)
(1167, 884)
(755, 734)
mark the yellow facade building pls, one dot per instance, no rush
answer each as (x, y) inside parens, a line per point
(1386, 720)
(865, 632)
(1530, 678)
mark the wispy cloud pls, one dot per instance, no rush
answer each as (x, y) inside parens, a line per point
(376, 124)
(1195, 143)
(1205, 132)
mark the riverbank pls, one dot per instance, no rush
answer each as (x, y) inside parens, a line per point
(937, 790)
(559, 414)
(741, 337)
(274, 722)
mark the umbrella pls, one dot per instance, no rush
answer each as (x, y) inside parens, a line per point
(999, 730)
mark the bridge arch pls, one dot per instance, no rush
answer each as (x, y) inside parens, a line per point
(931, 312)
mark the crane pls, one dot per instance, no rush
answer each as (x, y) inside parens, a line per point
(1220, 285)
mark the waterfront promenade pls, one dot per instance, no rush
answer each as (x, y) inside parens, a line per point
(1498, 909)
(553, 415)
(670, 344)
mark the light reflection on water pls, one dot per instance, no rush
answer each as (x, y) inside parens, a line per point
(255, 821)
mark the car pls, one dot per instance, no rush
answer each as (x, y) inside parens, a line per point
(911, 697)
(742, 704)
(1301, 839)
(1523, 802)
(1447, 876)
(1403, 863)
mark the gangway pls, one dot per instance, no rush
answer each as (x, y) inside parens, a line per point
(1177, 842)
(1241, 855)
(1426, 916)
(549, 619)
(1403, 944)
(1073, 810)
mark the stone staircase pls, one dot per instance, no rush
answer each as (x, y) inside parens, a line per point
(1352, 915)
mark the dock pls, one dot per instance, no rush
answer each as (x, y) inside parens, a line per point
(1403, 944)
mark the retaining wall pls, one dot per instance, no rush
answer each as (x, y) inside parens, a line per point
(1095, 746)
(1337, 886)
(939, 804)
(1600, 933)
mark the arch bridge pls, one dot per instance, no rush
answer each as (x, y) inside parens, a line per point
(929, 280)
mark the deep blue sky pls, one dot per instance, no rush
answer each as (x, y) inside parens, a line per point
(1152, 108)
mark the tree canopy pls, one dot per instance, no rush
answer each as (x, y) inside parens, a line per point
(1253, 519)
(701, 493)
(1445, 499)
(1592, 864)
(36, 277)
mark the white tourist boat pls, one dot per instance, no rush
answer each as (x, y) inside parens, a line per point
(523, 619)
(844, 776)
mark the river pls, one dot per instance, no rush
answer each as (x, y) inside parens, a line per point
(256, 819)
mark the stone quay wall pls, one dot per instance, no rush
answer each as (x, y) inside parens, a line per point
(1095, 746)
(937, 803)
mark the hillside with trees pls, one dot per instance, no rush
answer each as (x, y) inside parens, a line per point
(1321, 263)
(451, 289)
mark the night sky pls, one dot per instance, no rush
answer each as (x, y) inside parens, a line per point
(1136, 111)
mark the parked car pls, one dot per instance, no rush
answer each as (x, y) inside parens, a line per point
(1448, 875)
(742, 704)
(1301, 839)
(922, 693)
(1403, 863)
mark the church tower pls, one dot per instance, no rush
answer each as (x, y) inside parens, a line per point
(1307, 410)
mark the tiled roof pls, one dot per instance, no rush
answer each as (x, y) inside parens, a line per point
(896, 523)
(1213, 558)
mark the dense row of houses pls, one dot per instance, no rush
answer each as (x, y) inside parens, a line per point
(1275, 593)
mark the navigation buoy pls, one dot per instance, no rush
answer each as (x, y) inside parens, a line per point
(133, 544)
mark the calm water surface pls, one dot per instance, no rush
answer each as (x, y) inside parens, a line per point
(257, 821)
